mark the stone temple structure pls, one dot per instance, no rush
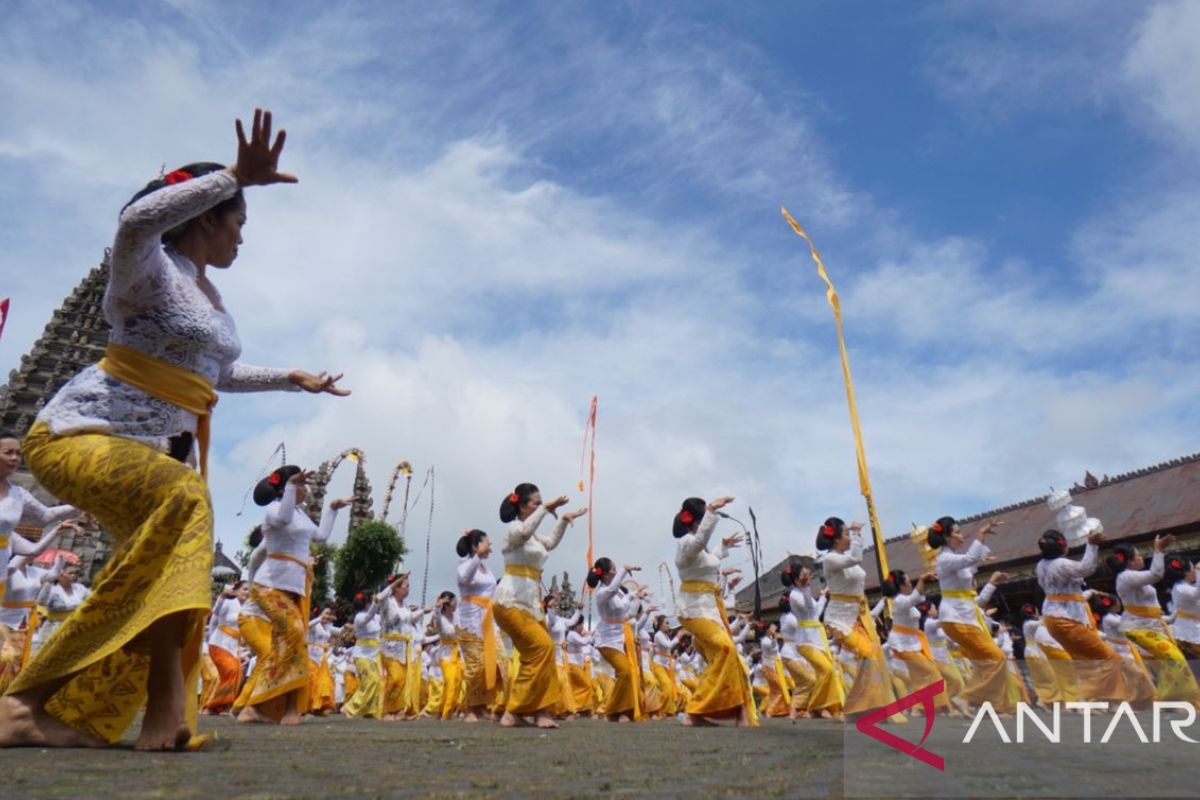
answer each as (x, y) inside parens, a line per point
(74, 338)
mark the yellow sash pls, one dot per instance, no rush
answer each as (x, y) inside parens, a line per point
(488, 629)
(1187, 615)
(522, 571)
(970, 594)
(369, 642)
(16, 603)
(1071, 598)
(1152, 612)
(920, 634)
(228, 631)
(167, 382)
(781, 676)
(820, 626)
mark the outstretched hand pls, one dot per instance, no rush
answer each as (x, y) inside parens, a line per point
(258, 159)
(341, 502)
(320, 383)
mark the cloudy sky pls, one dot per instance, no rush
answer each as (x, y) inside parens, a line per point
(504, 209)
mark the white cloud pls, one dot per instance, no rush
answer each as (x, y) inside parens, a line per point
(1163, 66)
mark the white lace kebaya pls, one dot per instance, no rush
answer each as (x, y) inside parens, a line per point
(155, 306)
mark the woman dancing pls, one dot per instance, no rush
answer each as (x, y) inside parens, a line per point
(113, 442)
(224, 648)
(477, 624)
(723, 689)
(517, 604)
(614, 637)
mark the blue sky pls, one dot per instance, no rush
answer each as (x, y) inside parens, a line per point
(505, 208)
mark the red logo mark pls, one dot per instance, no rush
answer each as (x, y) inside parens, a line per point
(869, 724)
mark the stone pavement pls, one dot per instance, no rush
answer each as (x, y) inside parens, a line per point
(336, 757)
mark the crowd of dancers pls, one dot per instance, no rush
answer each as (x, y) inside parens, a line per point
(126, 441)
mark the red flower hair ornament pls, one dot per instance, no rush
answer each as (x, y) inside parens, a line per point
(275, 479)
(687, 517)
(827, 530)
(936, 527)
(598, 571)
(1119, 556)
(1175, 563)
(178, 176)
(514, 498)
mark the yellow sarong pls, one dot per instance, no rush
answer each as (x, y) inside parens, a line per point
(724, 686)
(872, 687)
(368, 696)
(159, 515)
(535, 686)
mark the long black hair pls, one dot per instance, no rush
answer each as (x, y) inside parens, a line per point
(1052, 544)
(270, 488)
(467, 543)
(939, 532)
(829, 532)
(182, 175)
(892, 583)
(598, 571)
(512, 503)
(1177, 568)
(1120, 558)
(691, 511)
(791, 572)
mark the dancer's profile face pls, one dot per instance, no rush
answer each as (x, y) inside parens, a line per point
(842, 543)
(10, 456)
(243, 592)
(225, 236)
(531, 505)
(484, 548)
(400, 590)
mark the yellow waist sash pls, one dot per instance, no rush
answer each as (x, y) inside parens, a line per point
(1187, 615)
(920, 634)
(969, 594)
(228, 631)
(369, 642)
(16, 603)
(704, 587)
(1072, 598)
(522, 571)
(1151, 612)
(488, 628)
(167, 382)
(55, 616)
(393, 637)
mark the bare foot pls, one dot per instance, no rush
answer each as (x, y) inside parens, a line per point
(693, 721)
(163, 726)
(624, 718)
(470, 718)
(510, 720)
(290, 718)
(250, 714)
(23, 725)
(544, 720)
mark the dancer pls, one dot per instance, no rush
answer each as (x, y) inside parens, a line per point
(663, 663)
(19, 619)
(113, 440)
(615, 640)
(1107, 615)
(446, 654)
(961, 618)
(1066, 615)
(322, 683)
(557, 627)
(399, 656)
(476, 624)
(224, 647)
(1052, 683)
(1180, 580)
(908, 641)
(849, 617)
(779, 695)
(724, 687)
(1142, 621)
(579, 679)
(517, 604)
(56, 600)
(806, 603)
(367, 698)
(278, 690)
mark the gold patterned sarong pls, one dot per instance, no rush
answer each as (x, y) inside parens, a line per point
(284, 670)
(159, 515)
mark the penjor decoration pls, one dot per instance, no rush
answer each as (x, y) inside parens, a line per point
(864, 477)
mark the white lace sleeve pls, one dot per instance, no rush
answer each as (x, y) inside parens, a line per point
(239, 377)
(137, 257)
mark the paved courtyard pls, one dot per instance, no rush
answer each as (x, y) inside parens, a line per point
(335, 757)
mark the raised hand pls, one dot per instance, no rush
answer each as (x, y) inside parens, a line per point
(341, 502)
(571, 516)
(632, 568)
(320, 383)
(1161, 543)
(732, 541)
(304, 476)
(719, 503)
(258, 159)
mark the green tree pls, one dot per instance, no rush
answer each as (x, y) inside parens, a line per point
(372, 551)
(326, 555)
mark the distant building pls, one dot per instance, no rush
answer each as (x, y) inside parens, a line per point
(1134, 508)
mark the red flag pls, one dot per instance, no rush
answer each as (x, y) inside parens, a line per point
(3, 314)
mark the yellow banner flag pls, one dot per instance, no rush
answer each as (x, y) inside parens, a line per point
(864, 478)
